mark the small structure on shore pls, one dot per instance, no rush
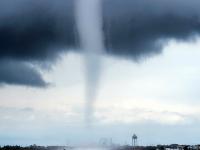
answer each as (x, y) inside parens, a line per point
(134, 141)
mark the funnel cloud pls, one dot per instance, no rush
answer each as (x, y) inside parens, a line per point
(89, 25)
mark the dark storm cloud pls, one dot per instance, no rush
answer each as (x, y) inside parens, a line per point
(40, 30)
(137, 28)
(20, 73)
(35, 30)
(32, 31)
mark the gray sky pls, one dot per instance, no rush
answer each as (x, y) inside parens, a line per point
(148, 85)
(157, 99)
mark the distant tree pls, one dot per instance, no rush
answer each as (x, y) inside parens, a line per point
(186, 148)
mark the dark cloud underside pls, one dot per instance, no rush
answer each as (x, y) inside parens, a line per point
(40, 30)
(19, 73)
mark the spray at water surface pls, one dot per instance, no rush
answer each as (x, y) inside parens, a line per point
(89, 26)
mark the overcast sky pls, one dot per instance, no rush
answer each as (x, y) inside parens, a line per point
(149, 82)
(158, 99)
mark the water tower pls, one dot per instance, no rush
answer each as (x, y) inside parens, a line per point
(134, 141)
